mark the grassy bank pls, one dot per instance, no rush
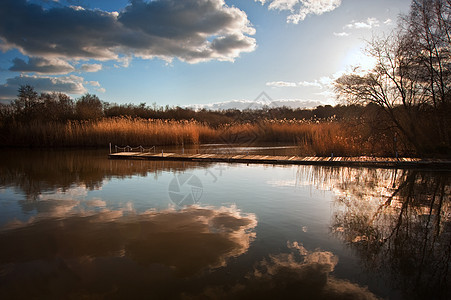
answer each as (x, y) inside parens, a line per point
(313, 137)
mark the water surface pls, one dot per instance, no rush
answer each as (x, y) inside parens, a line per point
(74, 224)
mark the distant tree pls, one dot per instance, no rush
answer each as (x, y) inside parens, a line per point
(56, 106)
(27, 97)
(89, 107)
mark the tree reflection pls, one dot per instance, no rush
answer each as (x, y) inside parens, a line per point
(398, 221)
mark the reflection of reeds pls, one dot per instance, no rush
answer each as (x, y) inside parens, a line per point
(38, 171)
(313, 138)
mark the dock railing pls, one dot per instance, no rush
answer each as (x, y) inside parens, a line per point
(133, 149)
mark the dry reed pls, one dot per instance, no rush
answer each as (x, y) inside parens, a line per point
(313, 137)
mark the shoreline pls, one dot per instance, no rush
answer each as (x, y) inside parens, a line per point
(360, 161)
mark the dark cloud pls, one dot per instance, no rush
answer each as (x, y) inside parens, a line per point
(66, 84)
(190, 30)
(42, 66)
(7, 93)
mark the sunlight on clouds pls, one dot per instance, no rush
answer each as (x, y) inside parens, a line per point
(42, 65)
(316, 7)
(283, 4)
(277, 84)
(300, 9)
(189, 30)
(310, 84)
(76, 7)
(323, 82)
(91, 67)
(368, 24)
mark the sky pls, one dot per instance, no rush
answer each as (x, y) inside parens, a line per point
(201, 53)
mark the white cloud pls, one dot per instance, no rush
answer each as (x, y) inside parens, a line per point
(310, 84)
(76, 7)
(283, 4)
(245, 104)
(296, 103)
(341, 34)
(368, 24)
(93, 83)
(323, 82)
(281, 84)
(91, 67)
(96, 84)
(123, 62)
(300, 9)
(388, 22)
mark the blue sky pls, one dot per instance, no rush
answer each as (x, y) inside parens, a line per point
(185, 52)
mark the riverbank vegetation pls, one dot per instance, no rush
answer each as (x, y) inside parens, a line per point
(55, 120)
(400, 107)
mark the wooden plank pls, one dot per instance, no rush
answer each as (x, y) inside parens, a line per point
(294, 160)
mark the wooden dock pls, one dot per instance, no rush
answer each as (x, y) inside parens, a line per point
(362, 161)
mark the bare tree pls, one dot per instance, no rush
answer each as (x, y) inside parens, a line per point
(411, 78)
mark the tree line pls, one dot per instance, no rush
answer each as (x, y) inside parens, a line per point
(29, 105)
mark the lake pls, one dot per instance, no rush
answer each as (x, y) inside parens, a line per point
(74, 224)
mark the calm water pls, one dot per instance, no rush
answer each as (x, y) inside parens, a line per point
(74, 224)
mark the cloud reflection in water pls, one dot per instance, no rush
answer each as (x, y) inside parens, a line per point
(299, 274)
(112, 251)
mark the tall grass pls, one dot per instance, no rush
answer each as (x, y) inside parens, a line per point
(313, 137)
